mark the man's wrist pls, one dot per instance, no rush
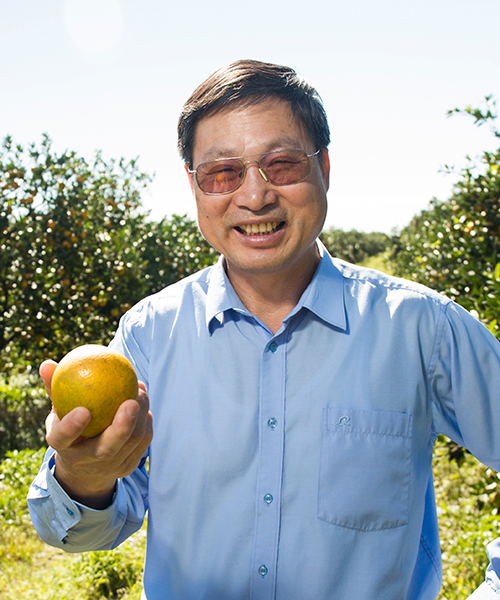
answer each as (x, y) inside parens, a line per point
(95, 492)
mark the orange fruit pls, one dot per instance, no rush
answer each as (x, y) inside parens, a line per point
(96, 377)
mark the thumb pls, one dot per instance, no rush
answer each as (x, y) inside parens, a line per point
(46, 371)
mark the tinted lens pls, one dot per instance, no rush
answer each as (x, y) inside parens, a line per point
(286, 166)
(220, 176)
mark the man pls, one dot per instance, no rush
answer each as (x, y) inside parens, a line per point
(296, 398)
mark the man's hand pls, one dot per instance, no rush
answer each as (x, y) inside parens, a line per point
(87, 468)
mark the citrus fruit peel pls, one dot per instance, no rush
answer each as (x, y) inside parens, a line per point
(95, 377)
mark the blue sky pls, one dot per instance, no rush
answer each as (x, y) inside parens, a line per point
(114, 74)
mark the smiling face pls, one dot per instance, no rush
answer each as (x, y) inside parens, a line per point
(261, 228)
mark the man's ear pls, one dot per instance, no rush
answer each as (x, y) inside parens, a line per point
(325, 166)
(190, 177)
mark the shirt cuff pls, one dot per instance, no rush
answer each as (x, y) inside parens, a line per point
(54, 513)
(490, 589)
(486, 591)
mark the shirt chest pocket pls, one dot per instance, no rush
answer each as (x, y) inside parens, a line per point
(365, 470)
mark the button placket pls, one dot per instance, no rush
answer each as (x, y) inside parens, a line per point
(268, 505)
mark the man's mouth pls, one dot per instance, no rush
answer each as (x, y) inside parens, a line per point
(260, 228)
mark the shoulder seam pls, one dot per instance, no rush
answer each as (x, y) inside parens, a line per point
(373, 277)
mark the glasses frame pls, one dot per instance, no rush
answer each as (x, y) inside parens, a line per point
(259, 165)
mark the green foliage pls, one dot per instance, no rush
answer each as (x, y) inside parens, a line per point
(112, 574)
(171, 250)
(488, 114)
(17, 471)
(65, 227)
(24, 405)
(454, 246)
(354, 246)
(76, 252)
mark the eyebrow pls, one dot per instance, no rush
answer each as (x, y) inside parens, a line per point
(281, 143)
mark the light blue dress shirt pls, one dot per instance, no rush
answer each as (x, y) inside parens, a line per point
(294, 466)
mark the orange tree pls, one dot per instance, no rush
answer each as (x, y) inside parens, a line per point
(354, 246)
(76, 251)
(454, 246)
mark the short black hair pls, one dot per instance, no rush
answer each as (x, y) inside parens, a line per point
(252, 82)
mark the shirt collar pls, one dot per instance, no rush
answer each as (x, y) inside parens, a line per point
(221, 296)
(324, 296)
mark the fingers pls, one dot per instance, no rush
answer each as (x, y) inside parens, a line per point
(87, 468)
(63, 433)
(46, 371)
(130, 428)
(143, 432)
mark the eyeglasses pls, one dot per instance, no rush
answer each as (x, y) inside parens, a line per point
(281, 167)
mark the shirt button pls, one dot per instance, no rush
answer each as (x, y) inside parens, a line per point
(272, 422)
(263, 570)
(273, 346)
(268, 498)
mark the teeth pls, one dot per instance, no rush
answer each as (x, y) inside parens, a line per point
(260, 227)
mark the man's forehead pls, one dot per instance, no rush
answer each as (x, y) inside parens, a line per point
(252, 102)
(285, 139)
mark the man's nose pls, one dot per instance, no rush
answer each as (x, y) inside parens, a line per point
(255, 191)
(260, 169)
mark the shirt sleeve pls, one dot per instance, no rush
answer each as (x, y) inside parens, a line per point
(465, 385)
(466, 404)
(73, 527)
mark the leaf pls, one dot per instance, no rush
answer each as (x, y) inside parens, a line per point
(497, 271)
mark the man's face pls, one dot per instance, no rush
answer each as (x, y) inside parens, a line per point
(291, 216)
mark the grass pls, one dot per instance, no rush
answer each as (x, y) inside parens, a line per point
(379, 262)
(31, 569)
(45, 573)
